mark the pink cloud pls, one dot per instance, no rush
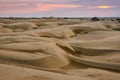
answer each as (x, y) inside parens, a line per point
(49, 7)
(37, 8)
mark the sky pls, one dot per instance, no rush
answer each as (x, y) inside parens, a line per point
(60, 8)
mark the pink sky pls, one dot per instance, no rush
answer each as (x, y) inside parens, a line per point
(68, 8)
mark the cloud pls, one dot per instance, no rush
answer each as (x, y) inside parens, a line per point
(102, 7)
(106, 7)
(24, 8)
(36, 1)
(49, 7)
(12, 5)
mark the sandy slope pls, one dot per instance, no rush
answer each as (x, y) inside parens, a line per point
(8, 72)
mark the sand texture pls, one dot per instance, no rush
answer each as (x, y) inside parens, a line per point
(59, 50)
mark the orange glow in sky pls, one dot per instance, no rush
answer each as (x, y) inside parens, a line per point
(105, 7)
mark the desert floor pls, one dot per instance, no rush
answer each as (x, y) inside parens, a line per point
(59, 49)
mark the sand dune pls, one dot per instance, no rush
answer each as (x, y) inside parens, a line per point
(97, 35)
(105, 49)
(19, 73)
(109, 24)
(60, 32)
(5, 30)
(23, 51)
(87, 51)
(22, 26)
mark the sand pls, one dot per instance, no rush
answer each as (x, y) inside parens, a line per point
(66, 51)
